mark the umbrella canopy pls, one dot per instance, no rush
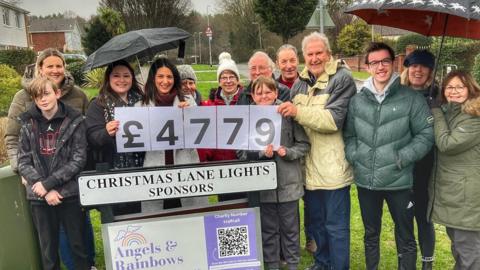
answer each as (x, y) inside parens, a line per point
(138, 43)
(455, 18)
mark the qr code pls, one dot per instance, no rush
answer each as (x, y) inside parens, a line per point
(233, 242)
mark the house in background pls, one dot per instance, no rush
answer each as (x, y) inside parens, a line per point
(64, 34)
(389, 32)
(13, 30)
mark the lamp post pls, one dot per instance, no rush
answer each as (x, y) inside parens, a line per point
(259, 34)
(200, 47)
(195, 47)
(210, 37)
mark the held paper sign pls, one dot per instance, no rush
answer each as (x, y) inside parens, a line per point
(228, 239)
(186, 181)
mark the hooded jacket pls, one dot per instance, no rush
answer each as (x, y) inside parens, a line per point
(72, 95)
(289, 168)
(321, 109)
(385, 135)
(68, 160)
(455, 183)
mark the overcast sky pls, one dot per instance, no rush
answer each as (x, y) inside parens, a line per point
(86, 8)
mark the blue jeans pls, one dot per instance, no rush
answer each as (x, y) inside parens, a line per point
(329, 212)
(65, 252)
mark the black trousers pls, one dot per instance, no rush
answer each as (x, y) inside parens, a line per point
(401, 208)
(47, 220)
(280, 232)
(426, 230)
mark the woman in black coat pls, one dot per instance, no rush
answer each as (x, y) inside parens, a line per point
(120, 89)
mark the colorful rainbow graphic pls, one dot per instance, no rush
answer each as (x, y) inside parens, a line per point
(132, 239)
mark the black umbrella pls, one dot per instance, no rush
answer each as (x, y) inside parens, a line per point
(455, 18)
(138, 43)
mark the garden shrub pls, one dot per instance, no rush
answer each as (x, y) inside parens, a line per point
(476, 68)
(412, 39)
(18, 59)
(94, 78)
(76, 69)
(9, 84)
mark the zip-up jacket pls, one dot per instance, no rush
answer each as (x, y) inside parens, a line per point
(68, 160)
(383, 140)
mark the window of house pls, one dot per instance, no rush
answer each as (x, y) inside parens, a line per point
(6, 16)
(18, 22)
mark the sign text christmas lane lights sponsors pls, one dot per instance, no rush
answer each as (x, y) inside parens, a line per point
(174, 183)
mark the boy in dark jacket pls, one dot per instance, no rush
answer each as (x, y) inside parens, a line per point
(279, 207)
(52, 151)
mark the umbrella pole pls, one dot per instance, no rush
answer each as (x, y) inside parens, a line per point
(432, 86)
(140, 67)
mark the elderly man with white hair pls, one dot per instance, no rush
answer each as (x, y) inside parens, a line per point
(319, 103)
(260, 64)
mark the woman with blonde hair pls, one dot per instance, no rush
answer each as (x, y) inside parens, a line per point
(418, 74)
(455, 183)
(51, 64)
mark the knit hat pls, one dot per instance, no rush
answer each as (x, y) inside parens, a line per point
(225, 62)
(422, 57)
(186, 72)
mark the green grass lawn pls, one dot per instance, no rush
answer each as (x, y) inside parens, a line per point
(361, 75)
(205, 67)
(388, 259)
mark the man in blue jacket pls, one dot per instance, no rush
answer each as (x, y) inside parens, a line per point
(388, 128)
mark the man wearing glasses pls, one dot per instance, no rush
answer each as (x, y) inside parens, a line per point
(260, 64)
(388, 128)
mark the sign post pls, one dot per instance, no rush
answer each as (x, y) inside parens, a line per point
(209, 34)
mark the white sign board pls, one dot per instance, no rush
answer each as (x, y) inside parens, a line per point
(228, 239)
(133, 134)
(232, 127)
(166, 128)
(200, 124)
(188, 181)
(237, 127)
(265, 127)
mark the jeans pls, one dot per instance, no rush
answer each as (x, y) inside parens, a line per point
(65, 251)
(329, 212)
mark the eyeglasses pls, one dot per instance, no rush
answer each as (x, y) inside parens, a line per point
(384, 62)
(457, 88)
(229, 78)
(258, 68)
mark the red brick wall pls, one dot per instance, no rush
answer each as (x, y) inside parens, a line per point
(41, 41)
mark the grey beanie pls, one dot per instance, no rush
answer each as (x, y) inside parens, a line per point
(186, 72)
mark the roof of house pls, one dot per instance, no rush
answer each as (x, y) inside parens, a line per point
(389, 31)
(7, 4)
(52, 25)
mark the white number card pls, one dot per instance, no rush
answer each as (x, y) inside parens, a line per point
(133, 133)
(232, 127)
(166, 128)
(265, 127)
(200, 127)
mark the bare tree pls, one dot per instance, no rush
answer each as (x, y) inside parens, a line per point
(138, 14)
(244, 35)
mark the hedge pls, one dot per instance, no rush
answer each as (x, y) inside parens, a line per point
(9, 84)
(18, 59)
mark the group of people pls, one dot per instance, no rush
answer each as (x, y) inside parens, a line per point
(403, 139)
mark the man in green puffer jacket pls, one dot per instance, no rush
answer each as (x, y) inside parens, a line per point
(388, 128)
